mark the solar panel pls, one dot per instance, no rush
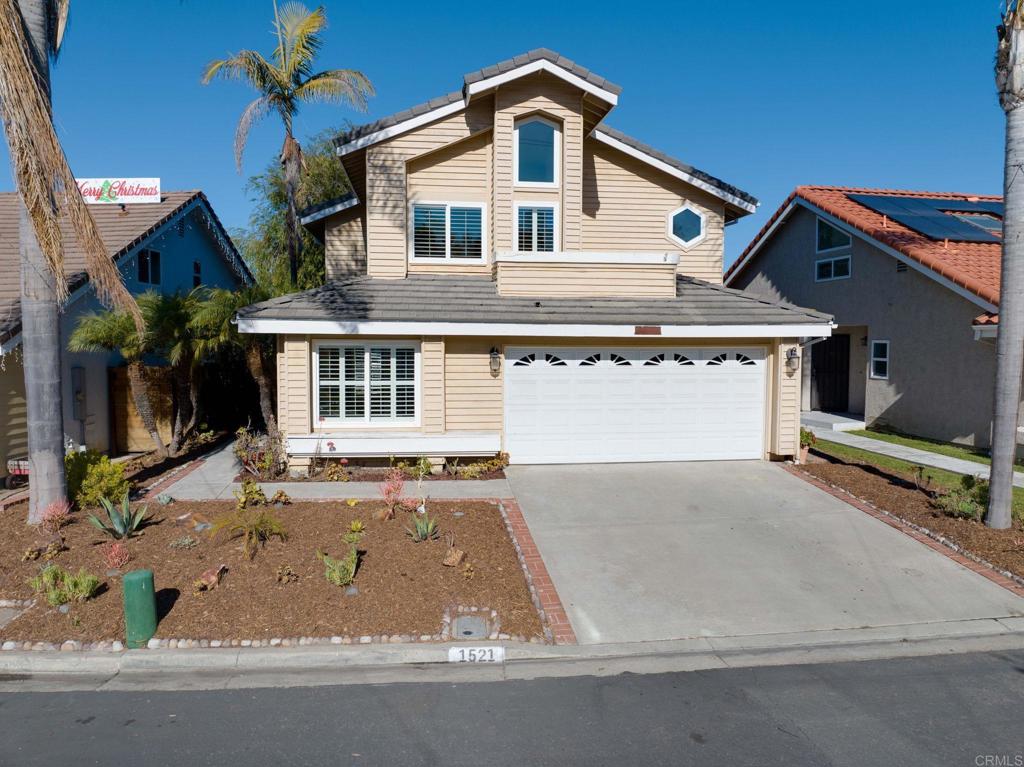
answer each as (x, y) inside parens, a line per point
(931, 217)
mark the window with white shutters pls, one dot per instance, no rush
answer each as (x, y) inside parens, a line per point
(443, 231)
(375, 383)
(535, 229)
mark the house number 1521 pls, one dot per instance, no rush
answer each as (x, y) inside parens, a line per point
(476, 654)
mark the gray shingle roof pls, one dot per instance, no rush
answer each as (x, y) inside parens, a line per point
(446, 298)
(649, 150)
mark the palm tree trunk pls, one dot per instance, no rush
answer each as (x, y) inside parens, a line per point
(40, 320)
(182, 407)
(140, 395)
(291, 158)
(193, 398)
(254, 360)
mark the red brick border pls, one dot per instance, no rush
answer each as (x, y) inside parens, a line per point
(984, 569)
(550, 603)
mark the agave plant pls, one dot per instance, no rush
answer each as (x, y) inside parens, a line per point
(424, 528)
(121, 523)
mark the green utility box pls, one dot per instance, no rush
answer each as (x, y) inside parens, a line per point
(139, 608)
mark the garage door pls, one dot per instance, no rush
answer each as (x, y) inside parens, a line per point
(582, 405)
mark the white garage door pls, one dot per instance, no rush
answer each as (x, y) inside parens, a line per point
(582, 405)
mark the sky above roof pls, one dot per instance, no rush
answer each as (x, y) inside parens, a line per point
(764, 96)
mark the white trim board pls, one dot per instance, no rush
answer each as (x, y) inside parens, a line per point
(584, 257)
(378, 444)
(324, 213)
(721, 194)
(541, 65)
(403, 127)
(961, 291)
(10, 345)
(357, 328)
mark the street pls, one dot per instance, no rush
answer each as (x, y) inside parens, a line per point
(943, 710)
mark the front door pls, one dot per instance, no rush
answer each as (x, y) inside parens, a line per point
(830, 375)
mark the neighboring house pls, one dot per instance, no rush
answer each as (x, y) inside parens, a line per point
(906, 275)
(510, 274)
(173, 245)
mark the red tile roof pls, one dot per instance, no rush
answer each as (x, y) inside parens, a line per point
(972, 265)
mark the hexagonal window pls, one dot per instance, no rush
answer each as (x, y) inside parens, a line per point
(686, 225)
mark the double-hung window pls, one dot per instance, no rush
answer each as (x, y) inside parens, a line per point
(375, 383)
(149, 267)
(880, 359)
(535, 228)
(443, 231)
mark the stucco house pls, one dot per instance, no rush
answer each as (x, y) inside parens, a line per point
(172, 245)
(509, 274)
(912, 279)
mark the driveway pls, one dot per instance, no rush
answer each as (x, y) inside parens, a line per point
(643, 552)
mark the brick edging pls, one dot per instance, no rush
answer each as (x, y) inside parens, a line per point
(932, 540)
(543, 588)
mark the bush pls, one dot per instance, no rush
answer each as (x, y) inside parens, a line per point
(969, 501)
(116, 555)
(61, 587)
(56, 516)
(254, 528)
(261, 455)
(102, 479)
(76, 465)
(807, 438)
(340, 572)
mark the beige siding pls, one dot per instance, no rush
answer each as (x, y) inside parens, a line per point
(281, 366)
(345, 244)
(561, 101)
(633, 280)
(433, 385)
(386, 182)
(13, 414)
(625, 204)
(473, 397)
(786, 404)
(297, 383)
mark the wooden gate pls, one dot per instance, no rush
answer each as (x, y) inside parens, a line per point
(130, 435)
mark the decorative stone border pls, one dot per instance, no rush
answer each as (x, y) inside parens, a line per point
(941, 544)
(545, 600)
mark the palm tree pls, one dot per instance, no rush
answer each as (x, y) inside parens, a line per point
(284, 83)
(214, 327)
(1010, 342)
(114, 330)
(31, 33)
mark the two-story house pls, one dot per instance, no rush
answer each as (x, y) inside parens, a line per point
(912, 279)
(169, 246)
(511, 274)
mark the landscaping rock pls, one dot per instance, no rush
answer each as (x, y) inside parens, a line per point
(9, 645)
(352, 591)
(116, 646)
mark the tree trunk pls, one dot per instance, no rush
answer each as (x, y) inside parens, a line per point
(254, 360)
(182, 404)
(140, 395)
(40, 321)
(193, 398)
(291, 158)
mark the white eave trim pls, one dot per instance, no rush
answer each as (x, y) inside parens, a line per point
(721, 194)
(340, 327)
(542, 65)
(402, 127)
(10, 345)
(329, 211)
(961, 291)
(584, 257)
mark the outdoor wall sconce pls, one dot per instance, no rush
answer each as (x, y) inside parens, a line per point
(792, 359)
(495, 362)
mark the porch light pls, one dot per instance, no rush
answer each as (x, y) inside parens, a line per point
(495, 362)
(792, 359)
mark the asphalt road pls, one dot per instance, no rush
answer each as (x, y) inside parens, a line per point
(948, 710)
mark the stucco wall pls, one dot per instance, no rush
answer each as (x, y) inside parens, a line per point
(940, 378)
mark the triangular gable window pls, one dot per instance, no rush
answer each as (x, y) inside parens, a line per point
(831, 238)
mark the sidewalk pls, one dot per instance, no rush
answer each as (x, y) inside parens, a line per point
(909, 454)
(214, 480)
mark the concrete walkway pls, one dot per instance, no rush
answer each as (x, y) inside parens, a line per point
(910, 454)
(214, 480)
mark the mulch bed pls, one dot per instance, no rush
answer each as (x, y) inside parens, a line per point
(896, 493)
(403, 587)
(370, 474)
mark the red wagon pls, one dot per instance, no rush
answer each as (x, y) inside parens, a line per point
(17, 473)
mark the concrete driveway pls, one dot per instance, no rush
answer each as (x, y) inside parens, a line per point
(647, 552)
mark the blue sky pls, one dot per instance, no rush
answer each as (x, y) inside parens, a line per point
(764, 95)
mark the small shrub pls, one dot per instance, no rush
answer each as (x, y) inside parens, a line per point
(424, 528)
(102, 479)
(968, 501)
(391, 489)
(807, 438)
(352, 538)
(254, 528)
(121, 523)
(76, 464)
(477, 469)
(60, 587)
(337, 471)
(356, 526)
(340, 572)
(261, 455)
(185, 542)
(280, 497)
(56, 516)
(251, 494)
(116, 555)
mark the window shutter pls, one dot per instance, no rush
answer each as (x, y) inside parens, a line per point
(429, 231)
(545, 229)
(466, 233)
(330, 375)
(355, 390)
(525, 229)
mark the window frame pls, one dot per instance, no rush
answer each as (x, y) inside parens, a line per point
(872, 358)
(670, 233)
(447, 258)
(557, 165)
(556, 243)
(849, 268)
(197, 274)
(817, 236)
(147, 254)
(365, 422)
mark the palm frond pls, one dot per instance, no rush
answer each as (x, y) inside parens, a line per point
(108, 330)
(244, 65)
(337, 86)
(168, 323)
(256, 111)
(299, 38)
(212, 322)
(58, 10)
